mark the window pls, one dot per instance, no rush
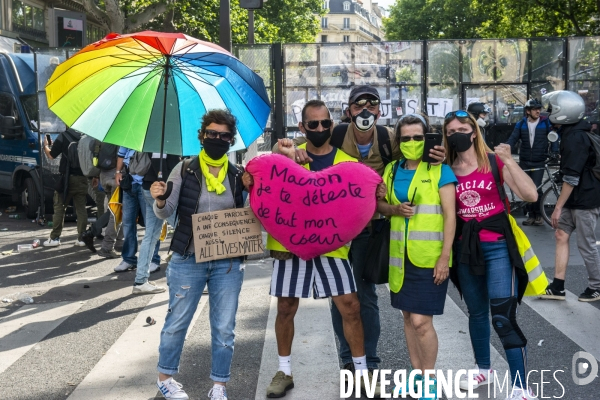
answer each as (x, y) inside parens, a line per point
(323, 22)
(326, 5)
(323, 38)
(346, 6)
(346, 38)
(94, 33)
(27, 16)
(346, 23)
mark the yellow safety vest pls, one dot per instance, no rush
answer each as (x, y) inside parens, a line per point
(425, 230)
(342, 252)
(537, 280)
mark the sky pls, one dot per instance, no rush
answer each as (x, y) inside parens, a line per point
(385, 3)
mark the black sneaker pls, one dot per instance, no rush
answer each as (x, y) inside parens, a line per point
(590, 295)
(348, 367)
(553, 294)
(88, 239)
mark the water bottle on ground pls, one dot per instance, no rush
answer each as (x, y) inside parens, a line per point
(25, 298)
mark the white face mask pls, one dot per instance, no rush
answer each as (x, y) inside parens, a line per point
(365, 120)
(481, 122)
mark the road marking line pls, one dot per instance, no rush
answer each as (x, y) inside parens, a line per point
(128, 370)
(24, 328)
(577, 320)
(314, 354)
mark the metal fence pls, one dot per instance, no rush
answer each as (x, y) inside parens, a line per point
(430, 76)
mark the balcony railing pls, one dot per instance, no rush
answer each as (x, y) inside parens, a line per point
(342, 27)
(36, 33)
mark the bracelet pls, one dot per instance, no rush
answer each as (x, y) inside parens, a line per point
(117, 172)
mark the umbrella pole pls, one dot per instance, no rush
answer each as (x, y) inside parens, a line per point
(162, 140)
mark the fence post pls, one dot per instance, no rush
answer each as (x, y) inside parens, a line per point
(278, 115)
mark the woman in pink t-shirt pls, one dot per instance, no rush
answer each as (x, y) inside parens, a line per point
(488, 273)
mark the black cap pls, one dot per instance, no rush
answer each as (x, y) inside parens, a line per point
(358, 91)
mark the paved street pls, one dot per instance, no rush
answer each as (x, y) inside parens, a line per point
(85, 335)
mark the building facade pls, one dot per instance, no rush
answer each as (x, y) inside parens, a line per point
(351, 21)
(39, 23)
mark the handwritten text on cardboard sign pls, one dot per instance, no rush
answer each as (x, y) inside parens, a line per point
(228, 233)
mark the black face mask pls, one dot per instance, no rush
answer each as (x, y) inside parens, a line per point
(215, 148)
(364, 120)
(460, 142)
(318, 139)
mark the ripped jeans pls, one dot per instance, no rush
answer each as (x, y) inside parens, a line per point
(186, 280)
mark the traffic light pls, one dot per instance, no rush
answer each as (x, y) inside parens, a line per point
(251, 4)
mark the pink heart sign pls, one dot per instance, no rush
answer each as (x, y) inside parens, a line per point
(312, 213)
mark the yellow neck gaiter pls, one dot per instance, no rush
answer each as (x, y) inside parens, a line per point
(213, 184)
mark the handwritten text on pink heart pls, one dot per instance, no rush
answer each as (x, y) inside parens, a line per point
(312, 213)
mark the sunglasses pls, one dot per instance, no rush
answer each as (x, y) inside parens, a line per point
(416, 138)
(363, 102)
(459, 114)
(325, 123)
(212, 134)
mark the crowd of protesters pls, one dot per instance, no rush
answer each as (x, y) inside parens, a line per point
(454, 227)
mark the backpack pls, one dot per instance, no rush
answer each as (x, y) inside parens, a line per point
(72, 152)
(88, 150)
(107, 156)
(383, 138)
(139, 163)
(595, 140)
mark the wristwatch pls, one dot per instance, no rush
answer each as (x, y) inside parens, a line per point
(117, 172)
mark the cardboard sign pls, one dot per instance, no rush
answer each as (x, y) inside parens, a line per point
(312, 213)
(225, 234)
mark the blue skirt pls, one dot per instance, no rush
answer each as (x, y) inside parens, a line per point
(419, 294)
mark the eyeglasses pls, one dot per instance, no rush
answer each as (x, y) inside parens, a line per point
(416, 138)
(212, 134)
(325, 123)
(459, 114)
(363, 102)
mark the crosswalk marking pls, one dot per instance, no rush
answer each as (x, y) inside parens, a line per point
(573, 318)
(24, 328)
(455, 351)
(128, 370)
(314, 354)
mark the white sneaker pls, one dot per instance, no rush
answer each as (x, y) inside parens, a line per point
(148, 288)
(521, 394)
(154, 267)
(79, 243)
(218, 392)
(53, 242)
(171, 389)
(481, 378)
(124, 266)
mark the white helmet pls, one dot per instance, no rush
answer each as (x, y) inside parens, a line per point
(564, 107)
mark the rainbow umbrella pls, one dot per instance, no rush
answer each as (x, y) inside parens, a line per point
(149, 90)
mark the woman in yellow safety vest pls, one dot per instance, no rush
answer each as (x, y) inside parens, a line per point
(420, 201)
(490, 273)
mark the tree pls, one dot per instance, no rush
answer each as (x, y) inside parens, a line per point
(277, 21)
(113, 16)
(432, 19)
(466, 19)
(531, 18)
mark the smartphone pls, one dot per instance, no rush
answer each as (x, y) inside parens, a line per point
(431, 139)
(49, 139)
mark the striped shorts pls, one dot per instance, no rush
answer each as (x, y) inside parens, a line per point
(326, 276)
